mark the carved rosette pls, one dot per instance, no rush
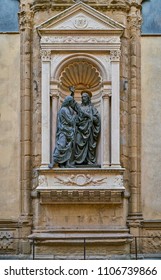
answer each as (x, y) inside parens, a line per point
(45, 55)
(115, 55)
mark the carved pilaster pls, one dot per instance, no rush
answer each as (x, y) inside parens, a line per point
(134, 24)
(25, 20)
(55, 97)
(106, 126)
(115, 108)
(46, 64)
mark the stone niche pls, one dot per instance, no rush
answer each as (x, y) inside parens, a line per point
(81, 46)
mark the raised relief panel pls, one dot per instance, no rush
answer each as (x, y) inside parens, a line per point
(6, 241)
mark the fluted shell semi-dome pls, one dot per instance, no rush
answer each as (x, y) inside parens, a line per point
(81, 75)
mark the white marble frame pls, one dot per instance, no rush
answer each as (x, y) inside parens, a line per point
(110, 147)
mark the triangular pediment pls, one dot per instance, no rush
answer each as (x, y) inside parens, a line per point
(80, 17)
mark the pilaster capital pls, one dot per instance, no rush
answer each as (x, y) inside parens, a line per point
(134, 19)
(45, 55)
(106, 94)
(25, 19)
(54, 95)
(115, 55)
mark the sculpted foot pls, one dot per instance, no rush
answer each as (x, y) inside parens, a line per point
(51, 165)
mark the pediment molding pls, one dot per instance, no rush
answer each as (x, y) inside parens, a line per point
(80, 17)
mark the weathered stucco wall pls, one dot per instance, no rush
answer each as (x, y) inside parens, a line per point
(9, 126)
(151, 127)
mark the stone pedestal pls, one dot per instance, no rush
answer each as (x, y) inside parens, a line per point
(77, 205)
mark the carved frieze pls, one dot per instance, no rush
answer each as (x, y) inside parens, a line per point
(79, 39)
(39, 5)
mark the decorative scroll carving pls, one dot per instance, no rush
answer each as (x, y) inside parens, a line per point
(115, 55)
(45, 55)
(6, 241)
(81, 196)
(42, 181)
(79, 39)
(81, 180)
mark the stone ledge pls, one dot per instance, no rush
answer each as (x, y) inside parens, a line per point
(91, 236)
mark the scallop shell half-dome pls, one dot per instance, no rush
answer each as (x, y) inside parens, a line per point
(81, 75)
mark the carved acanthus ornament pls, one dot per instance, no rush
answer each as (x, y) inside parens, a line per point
(115, 55)
(25, 19)
(45, 55)
(134, 19)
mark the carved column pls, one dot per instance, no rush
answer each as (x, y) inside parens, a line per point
(54, 96)
(45, 105)
(106, 126)
(115, 108)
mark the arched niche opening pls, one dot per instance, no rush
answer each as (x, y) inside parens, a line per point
(84, 73)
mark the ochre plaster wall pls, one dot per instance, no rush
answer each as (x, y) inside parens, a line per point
(9, 126)
(151, 126)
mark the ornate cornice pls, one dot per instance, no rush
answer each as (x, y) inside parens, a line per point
(103, 5)
(88, 196)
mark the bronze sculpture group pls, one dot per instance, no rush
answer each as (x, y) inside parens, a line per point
(78, 128)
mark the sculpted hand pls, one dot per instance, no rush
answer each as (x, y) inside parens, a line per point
(72, 90)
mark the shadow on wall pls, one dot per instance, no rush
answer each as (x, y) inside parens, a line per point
(151, 11)
(9, 15)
